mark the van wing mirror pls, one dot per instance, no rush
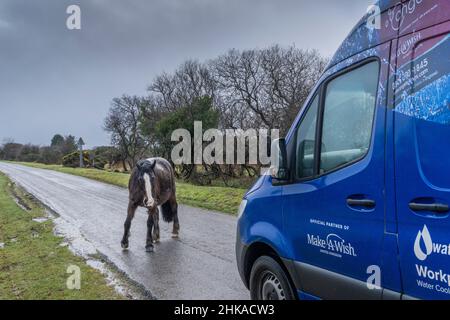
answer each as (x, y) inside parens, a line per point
(279, 169)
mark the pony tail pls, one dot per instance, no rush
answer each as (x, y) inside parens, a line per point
(167, 212)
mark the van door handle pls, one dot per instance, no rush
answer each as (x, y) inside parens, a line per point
(432, 207)
(361, 203)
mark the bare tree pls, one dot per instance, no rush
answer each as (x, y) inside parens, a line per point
(123, 124)
(265, 88)
(192, 80)
(11, 150)
(291, 75)
(241, 81)
(251, 89)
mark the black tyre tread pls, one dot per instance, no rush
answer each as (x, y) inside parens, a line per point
(268, 263)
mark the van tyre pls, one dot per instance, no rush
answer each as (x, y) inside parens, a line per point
(268, 281)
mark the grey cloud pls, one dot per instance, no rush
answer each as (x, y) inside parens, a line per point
(56, 80)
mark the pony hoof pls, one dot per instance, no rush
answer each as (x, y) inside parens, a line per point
(124, 245)
(175, 236)
(149, 249)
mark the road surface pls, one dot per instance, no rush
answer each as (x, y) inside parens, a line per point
(200, 265)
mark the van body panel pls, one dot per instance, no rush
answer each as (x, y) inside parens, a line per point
(395, 18)
(329, 285)
(263, 222)
(422, 142)
(332, 248)
(306, 296)
(415, 15)
(315, 212)
(391, 211)
(391, 279)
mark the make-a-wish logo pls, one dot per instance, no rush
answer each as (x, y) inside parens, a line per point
(424, 245)
(332, 245)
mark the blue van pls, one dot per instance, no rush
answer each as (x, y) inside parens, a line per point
(358, 206)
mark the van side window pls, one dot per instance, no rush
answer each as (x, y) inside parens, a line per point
(348, 116)
(306, 137)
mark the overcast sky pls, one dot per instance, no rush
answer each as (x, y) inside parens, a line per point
(55, 80)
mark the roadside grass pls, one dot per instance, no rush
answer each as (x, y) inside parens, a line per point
(114, 178)
(217, 198)
(33, 264)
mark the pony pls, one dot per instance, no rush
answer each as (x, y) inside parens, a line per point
(152, 184)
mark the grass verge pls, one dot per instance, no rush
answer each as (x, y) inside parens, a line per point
(33, 264)
(222, 199)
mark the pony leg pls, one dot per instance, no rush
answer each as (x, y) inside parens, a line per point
(149, 242)
(176, 222)
(156, 225)
(130, 215)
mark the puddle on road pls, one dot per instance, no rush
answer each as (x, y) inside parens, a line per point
(79, 245)
(113, 279)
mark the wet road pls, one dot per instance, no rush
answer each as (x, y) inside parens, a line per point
(200, 265)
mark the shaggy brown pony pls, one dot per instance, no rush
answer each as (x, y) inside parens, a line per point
(152, 184)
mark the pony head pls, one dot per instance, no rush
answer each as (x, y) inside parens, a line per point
(146, 180)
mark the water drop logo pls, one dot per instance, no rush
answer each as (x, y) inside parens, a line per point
(425, 237)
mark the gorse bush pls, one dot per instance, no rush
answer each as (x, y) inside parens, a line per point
(72, 160)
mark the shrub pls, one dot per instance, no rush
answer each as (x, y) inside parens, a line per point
(99, 162)
(105, 155)
(73, 159)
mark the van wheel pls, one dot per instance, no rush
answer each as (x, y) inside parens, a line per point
(268, 281)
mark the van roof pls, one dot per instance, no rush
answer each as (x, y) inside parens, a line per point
(362, 38)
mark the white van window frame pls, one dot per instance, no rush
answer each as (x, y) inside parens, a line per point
(321, 93)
